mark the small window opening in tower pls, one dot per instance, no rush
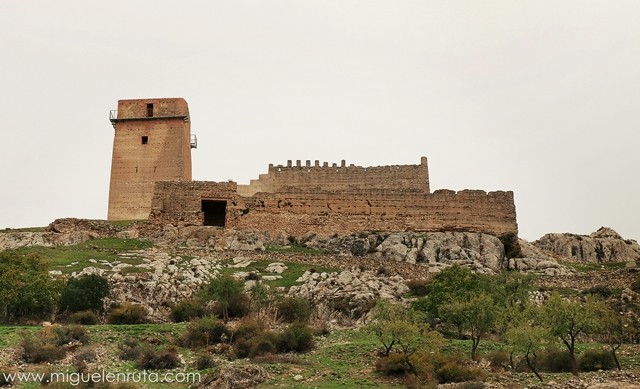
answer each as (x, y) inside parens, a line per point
(145, 139)
(149, 110)
(215, 212)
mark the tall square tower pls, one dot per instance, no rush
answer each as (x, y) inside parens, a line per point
(152, 143)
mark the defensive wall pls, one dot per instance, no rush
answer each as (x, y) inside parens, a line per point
(334, 199)
(342, 177)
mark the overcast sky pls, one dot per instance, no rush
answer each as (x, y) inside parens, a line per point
(538, 97)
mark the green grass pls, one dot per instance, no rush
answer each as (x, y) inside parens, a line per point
(343, 359)
(76, 257)
(289, 276)
(159, 333)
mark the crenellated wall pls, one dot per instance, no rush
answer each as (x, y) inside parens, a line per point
(339, 177)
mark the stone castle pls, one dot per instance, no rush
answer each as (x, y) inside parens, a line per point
(151, 179)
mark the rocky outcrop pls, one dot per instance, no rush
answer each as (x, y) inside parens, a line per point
(64, 232)
(604, 245)
(351, 291)
(158, 283)
(14, 240)
(101, 228)
(208, 237)
(482, 253)
(536, 260)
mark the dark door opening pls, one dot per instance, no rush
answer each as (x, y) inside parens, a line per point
(149, 110)
(215, 212)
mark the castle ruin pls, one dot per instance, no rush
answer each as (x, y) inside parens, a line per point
(153, 180)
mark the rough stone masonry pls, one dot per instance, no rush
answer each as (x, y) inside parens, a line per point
(295, 198)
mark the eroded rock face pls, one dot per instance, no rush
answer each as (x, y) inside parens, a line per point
(350, 289)
(14, 240)
(62, 232)
(604, 245)
(209, 237)
(479, 252)
(159, 282)
(537, 260)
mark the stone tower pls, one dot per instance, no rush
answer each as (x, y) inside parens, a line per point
(152, 143)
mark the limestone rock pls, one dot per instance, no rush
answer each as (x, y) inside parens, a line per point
(604, 245)
(353, 290)
(13, 240)
(276, 267)
(536, 260)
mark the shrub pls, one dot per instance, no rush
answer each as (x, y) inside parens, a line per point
(247, 328)
(600, 290)
(297, 337)
(40, 348)
(187, 310)
(130, 350)
(158, 359)
(70, 334)
(239, 306)
(511, 245)
(594, 359)
(262, 344)
(498, 359)
(85, 354)
(204, 332)
(354, 309)
(128, 314)
(292, 309)
(226, 291)
(87, 318)
(84, 293)
(554, 361)
(451, 371)
(393, 365)
(418, 287)
(204, 361)
(383, 271)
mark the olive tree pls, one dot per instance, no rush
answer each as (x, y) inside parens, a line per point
(567, 319)
(26, 288)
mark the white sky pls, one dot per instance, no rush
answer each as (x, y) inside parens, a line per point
(538, 97)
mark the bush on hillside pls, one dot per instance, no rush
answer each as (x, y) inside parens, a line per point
(128, 314)
(85, 293)
(187, 310)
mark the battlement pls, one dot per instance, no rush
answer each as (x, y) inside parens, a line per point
(342, 177)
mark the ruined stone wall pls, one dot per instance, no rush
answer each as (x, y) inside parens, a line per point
(147, 149)
(336, 178)
(180, 203)
(300, 211)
